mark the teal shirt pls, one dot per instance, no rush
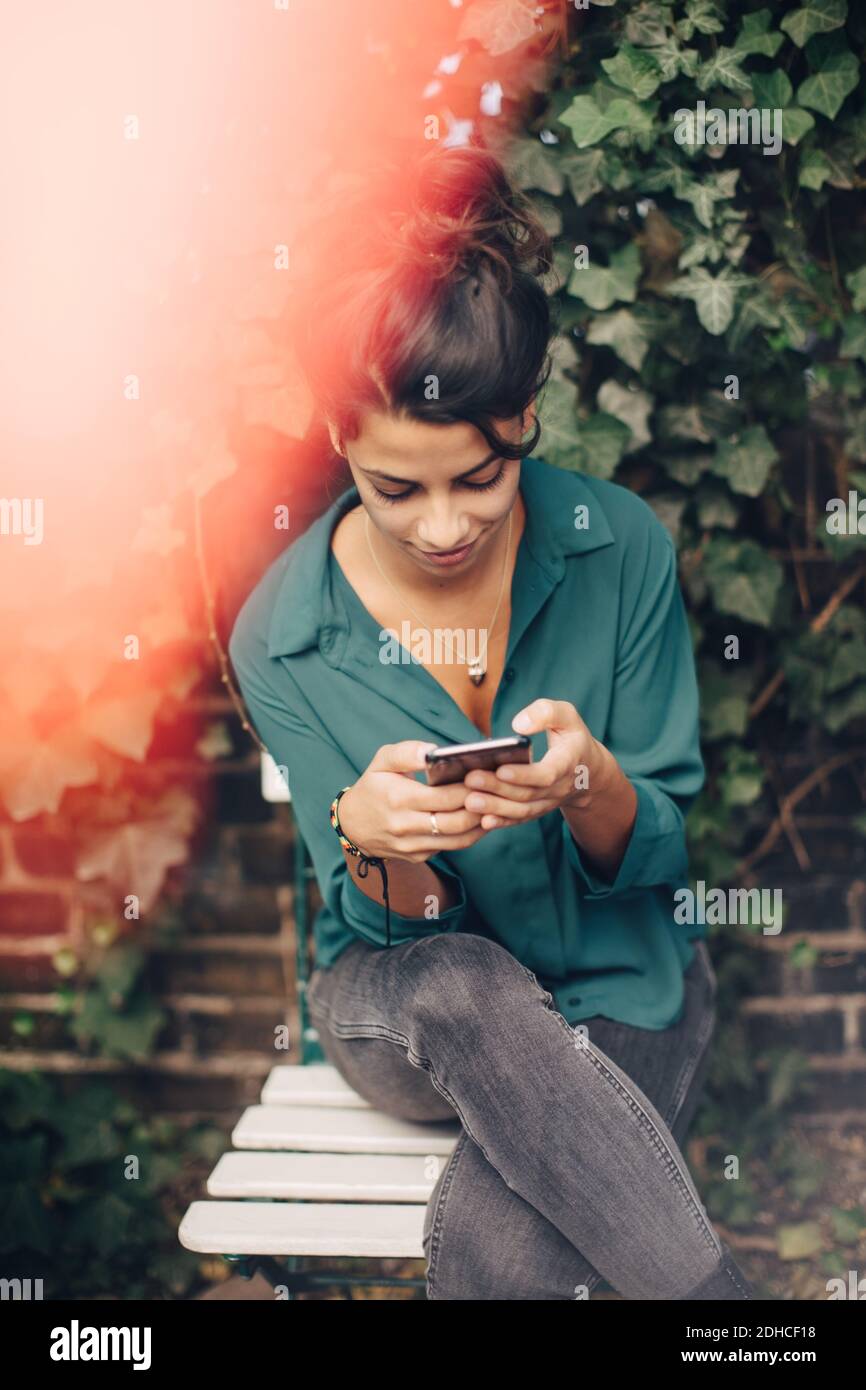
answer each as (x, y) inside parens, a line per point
(598, 620)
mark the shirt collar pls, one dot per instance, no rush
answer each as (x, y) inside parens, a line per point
(304, 608)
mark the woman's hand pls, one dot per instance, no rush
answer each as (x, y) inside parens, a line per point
(575, 768)
(386, 813)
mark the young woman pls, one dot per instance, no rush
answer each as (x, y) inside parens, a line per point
(526, 973)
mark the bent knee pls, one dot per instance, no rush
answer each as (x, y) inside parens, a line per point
(460, 975)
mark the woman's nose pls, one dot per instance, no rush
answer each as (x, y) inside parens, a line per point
(442, 530)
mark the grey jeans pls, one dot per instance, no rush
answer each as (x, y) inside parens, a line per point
(568, 1168)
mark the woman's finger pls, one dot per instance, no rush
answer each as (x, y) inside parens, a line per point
(489, 782)
(411, 824)
(557, 763)
(485, 805)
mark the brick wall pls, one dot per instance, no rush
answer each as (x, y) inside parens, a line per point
(226, 978)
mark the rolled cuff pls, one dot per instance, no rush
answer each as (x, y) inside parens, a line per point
(656, 852)
(366, 916)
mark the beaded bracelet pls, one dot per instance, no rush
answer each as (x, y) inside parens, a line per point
(366, 859)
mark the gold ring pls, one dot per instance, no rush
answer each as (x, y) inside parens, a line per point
(436, 830)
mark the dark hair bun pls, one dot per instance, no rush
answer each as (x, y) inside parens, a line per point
(460, 211)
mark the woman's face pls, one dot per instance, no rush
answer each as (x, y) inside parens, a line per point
(435, 492)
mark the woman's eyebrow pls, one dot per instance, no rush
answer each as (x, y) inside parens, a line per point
(410, 482)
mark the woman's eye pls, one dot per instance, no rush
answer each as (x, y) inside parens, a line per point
(392, 496)
(473, 487)
(482, 487)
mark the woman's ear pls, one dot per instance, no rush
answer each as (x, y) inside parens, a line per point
(335, 439)
(530, 415)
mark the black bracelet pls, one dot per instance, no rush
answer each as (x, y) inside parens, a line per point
(366, 860)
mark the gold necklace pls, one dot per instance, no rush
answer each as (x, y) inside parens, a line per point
(477, 667)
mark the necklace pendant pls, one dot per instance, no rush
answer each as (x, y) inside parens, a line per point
(476, 672)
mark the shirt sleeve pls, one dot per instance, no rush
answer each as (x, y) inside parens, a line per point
(653, 727)
(316, 771)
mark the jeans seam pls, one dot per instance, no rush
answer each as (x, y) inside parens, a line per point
(439, 1213)
(656, 1138)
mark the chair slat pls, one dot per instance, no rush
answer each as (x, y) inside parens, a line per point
(316, 1084)
(336, 1129)
(304, 1228)
(326, 1177)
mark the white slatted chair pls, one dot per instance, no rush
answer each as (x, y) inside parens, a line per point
(315, 1171)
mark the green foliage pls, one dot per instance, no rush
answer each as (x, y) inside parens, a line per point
(713, 300)
(114, 1014)
(74, 1212)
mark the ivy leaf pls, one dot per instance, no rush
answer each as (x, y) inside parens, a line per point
(582, 170)
(601, 286)
(623, 332)
(704, 196)
(772, 89)
(724, 702)
(826, 90)
(500, 25)
(667, 171)
(589, 122)
(755, 36)
(800, 1241)
(687, 468)
(603, 441)
(129, 1031)
(669, 508)
(563, 356)
(586, 121)
(633, 408)
(125, 724)
(37, 773)
(673, 60)
(647, 24)
(856, 282)
(715, 505)
(559, 442)
(135, 857)
(795, 124)
(746, 461)
(742, 779)
(815, 17)
(842, 709)
(702, 15)
(847, 1224)
(814, 170)
(742, 578)
(682, 422)
(633, 69)
(773, 92)
(714, 296)
(723, 70)
(703, 247)
(853, 337)
(531, 165)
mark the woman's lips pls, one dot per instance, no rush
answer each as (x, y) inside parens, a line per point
(447, 557)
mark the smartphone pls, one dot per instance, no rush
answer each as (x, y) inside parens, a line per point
(451, 763)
